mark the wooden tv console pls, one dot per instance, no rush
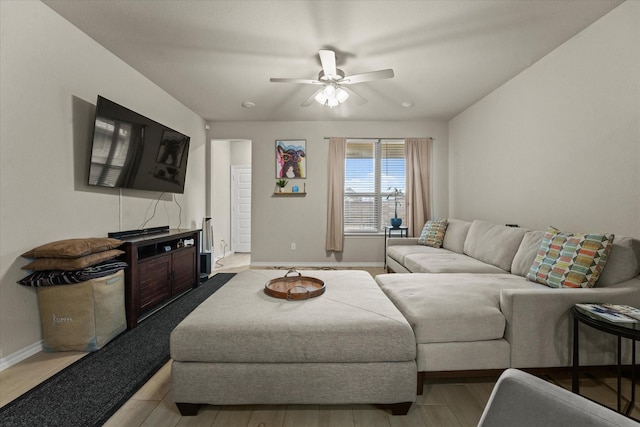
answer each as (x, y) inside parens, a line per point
(161, 268)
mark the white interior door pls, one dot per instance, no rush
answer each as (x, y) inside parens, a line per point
(241, 208)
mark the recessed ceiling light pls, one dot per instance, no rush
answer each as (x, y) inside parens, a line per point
(407, 104)
(248, 104)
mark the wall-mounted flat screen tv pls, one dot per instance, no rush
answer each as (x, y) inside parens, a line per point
(130, 150)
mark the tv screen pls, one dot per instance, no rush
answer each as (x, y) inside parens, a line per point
(132, 151)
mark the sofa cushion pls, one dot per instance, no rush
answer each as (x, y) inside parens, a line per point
(623, 263)
(570, 260)
(493, 244)
(399, 252)
(527, 252)
(433, 233)
(456, 234)
(451, 307)
(73, 248)
(71, 264)
(447, 262)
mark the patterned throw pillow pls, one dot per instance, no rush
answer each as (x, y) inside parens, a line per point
(433, 233)
(570, 260)
(61, 277)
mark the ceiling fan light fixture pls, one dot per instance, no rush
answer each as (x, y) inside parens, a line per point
(329, 91)
(341, 95)
(332, 102)
(321, 98)
(331, 95)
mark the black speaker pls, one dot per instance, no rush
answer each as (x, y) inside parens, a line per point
(205, 262)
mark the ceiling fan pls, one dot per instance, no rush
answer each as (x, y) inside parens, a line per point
(334, 90)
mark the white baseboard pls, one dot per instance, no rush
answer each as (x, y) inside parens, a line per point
(318, 264)
(20, 355)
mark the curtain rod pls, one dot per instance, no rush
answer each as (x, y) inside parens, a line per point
(386, 137)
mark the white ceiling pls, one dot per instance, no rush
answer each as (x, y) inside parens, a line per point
(214, 55)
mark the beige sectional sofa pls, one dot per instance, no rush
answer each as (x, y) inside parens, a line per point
(471, 307)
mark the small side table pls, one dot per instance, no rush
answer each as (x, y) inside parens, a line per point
(621, 330)
(390, 231)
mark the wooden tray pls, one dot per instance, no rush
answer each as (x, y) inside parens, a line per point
(294, 287)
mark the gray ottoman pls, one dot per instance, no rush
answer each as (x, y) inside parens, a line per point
(347, 346)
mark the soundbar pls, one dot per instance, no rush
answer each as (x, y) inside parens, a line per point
(140, 232)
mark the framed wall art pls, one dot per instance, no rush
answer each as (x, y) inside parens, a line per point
(291, 158)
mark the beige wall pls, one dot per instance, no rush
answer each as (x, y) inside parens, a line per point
(560, 143)
(50, 76)
(277, 222)
(240, 152)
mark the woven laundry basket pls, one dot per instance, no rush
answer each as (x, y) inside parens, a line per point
(84, 316)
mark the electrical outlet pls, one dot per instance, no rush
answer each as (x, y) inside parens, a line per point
(293, 246)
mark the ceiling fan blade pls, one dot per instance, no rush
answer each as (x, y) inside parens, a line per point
(302, 81)
(367, 77)
(359, 99)
(328, 60)
(312, 98)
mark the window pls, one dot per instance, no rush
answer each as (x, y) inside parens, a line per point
(373, 169)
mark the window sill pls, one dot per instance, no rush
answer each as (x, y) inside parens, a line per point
(365, 235)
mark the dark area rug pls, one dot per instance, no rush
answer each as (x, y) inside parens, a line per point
(92, 389)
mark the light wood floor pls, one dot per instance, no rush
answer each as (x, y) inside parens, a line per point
(446, 403)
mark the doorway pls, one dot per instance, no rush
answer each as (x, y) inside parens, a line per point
(241, 208)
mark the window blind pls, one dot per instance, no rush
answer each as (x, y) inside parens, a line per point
(373, 169)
